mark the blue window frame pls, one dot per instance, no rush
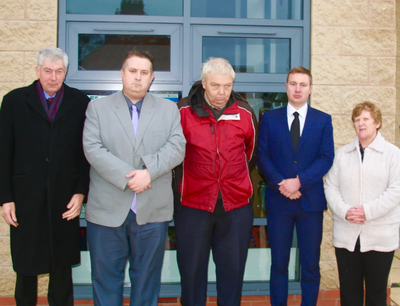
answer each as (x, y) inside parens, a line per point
(262, 39)
(268, 9)
(125, 7)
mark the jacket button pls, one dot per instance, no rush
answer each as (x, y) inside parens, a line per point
(47, 159)
(295, 161)
(210, 208)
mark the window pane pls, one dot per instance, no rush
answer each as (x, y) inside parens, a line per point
(106, 51)
(254, 55)
(126, 7)
(262, 102)
(262, 9)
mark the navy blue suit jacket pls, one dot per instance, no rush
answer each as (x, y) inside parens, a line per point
(277, 159)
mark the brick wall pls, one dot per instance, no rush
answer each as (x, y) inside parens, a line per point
(326, 298)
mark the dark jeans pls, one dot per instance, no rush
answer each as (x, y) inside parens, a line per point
(355, 268)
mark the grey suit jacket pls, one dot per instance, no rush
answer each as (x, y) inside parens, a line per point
(113, 151)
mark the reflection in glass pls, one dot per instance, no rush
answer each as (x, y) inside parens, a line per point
(259, 237)
(126, 7)
(170, 243)
(255, 55)
(129, 7)
(262, 102)
(259, 256)
(106, 51)
(262, 9)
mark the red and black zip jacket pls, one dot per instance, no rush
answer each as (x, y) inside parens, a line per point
(219, 153)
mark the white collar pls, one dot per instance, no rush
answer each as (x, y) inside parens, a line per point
(302, 111)
(378, 144)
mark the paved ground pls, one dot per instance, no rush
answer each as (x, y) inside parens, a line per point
(395, 279)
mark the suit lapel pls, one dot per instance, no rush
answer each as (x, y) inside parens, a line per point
(308, 126)
(33, 101)
(122, 112)
(65, 105)
(285, 128)
(146, 113)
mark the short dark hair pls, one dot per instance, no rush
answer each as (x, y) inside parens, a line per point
(138, 53)
(300, 69)
(369, 107)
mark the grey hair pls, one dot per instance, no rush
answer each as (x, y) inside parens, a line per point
(218, 65)
(52, 54)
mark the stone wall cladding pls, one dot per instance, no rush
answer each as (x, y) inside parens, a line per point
(25, 27)
(397, 77)
(354, 57)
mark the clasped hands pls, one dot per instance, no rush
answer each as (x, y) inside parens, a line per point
(290, 188)
(356, 215)
(140, 180)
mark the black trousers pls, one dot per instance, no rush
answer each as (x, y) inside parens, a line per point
(355, 268)
(228, 235)
(60, 292)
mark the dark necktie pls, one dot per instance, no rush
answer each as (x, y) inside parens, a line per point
(49, 101)
(295, 130)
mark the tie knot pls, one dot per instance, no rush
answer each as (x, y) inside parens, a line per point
(50, 99)
(296, 114)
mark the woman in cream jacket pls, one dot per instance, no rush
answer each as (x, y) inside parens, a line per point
(363, 191)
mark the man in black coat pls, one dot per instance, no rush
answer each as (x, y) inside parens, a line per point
(44, 178)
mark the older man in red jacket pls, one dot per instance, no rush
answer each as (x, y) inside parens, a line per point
(215, 190)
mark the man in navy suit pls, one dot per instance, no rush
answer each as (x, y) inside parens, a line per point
(295, 151)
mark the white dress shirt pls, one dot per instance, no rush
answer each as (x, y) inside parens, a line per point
(302, 115)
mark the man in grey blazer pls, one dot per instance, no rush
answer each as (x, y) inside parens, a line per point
(130, 199)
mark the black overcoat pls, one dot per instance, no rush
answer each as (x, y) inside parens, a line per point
(42, 166)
